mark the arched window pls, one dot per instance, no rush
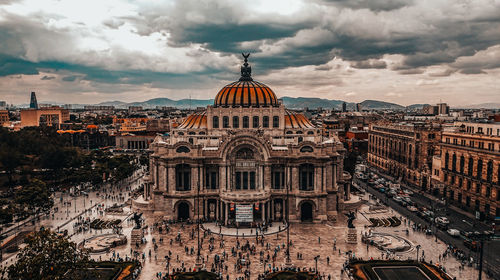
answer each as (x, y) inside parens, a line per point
(306, 180)
(310, 132)
(454, 163)
(446, 160)
(255, 122)
(183, 149)
(489, 171)
(181, 133)
(236, 122)
(183, 177)
(479, 169)
(306, 149)
(276, 121)
(191, 133)
(265, 121)
(215, 122)
(299, 132)
(246, 122)
(289, 132)
(225, 122)
(462, 164)
(470, 166)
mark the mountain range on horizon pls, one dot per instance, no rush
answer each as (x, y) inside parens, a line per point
(289, 102)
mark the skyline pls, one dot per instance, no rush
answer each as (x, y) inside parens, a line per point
(405, 52)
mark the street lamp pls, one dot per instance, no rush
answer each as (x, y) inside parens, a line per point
(418, 248)
(316, 261)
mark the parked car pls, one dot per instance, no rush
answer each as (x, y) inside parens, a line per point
(453, 232)
(412, 208)
(470, 244)
(442, 220)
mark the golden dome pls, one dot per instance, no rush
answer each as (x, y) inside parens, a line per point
(296, 120)
(246, 92)
(195, 121)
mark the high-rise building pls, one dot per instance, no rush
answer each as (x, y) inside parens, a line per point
(33, 102)
(344, 107)
(443, 109)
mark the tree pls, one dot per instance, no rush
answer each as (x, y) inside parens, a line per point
(35, 196)
(48, 256)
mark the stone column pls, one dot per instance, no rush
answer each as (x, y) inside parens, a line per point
(271, 210)
(263, 211)
(171, 178)
(294, 183)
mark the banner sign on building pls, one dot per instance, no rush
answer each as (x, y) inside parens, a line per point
(244, 213)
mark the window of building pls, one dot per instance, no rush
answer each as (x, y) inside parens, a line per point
(246, 122)
(469, 185)
(462, 164)
(278, 177)
(236, 122)
(265, 121)
(481, 145)
(489, 171)
(306, 172)
(470, 167)
(446, 160)
(211, 174)
(183, 177)
(479, 173)
(225, 122)
(255, 122)
(454, 163)
(447, 140)
(215, 122)
(183, 149)
(276, 121)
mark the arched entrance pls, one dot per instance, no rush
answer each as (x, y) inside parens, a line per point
(183, 211)
(306, 212)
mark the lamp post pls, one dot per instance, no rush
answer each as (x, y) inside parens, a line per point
(198, 262)
(316, 261)
(288, 261)
(418, 248)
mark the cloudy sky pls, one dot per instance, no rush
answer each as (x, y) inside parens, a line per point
(403, 51)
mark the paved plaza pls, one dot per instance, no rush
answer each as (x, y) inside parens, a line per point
(328, 241)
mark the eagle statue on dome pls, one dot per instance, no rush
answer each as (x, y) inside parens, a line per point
(246, 70)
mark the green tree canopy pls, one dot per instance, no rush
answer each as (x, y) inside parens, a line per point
(47, 256)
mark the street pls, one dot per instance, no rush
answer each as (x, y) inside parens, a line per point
(491, 259)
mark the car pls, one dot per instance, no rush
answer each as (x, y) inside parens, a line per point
(442, 220)
(470, 244)
(453, 232)
(412, 208)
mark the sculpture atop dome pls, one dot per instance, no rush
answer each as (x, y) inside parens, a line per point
(246, 70)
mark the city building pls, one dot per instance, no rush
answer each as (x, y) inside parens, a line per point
(133, 142)
(439, 109)
(33, 101)
(470, 167)
(4, 117)
(3, 105)
(49, 116)
(404, 150)
(242, 154)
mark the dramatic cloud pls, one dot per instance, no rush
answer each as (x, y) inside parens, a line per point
(354, 48)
